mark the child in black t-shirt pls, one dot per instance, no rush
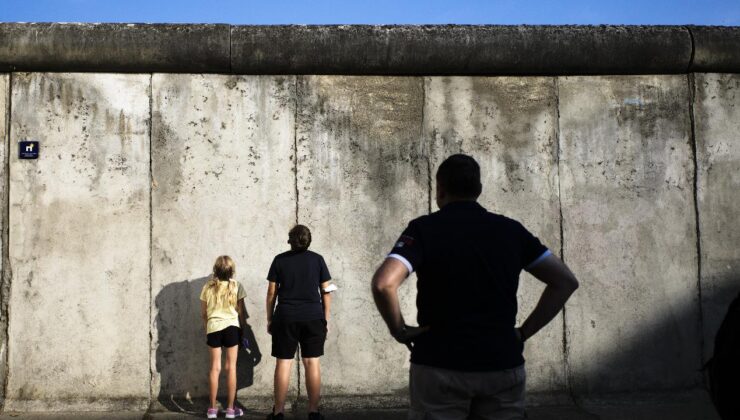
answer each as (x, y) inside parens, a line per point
(300, 284)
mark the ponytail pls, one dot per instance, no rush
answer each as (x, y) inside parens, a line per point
(223, 295)
(223, 270)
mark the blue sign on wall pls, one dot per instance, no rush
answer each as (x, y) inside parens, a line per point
(28, 150)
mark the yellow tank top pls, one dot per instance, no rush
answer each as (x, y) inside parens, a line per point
(221, 315)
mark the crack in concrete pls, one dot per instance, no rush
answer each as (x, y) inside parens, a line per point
(295, 144)
(691, 58)
(692, 99)
(426, 142)
(566, 364)
(231, 53)
(296, 103)
(151, 241)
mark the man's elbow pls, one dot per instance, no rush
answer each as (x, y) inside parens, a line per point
(381, 284)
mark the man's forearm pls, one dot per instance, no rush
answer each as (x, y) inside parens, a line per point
(390, 309)
(551, 302)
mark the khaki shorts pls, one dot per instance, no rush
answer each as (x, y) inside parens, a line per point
(441, 394)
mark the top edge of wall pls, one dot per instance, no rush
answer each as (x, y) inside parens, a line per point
(368, 49)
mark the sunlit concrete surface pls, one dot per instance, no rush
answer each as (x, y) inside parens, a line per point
(222, 183)
(79, 242)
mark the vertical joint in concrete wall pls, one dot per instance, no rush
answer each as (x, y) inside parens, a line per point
(5, 274)
(566, 366)
(691, 58)
(231, 56)
(427, 144)
(151, 227)
(692, 97)
(295, 185)
(295, 144)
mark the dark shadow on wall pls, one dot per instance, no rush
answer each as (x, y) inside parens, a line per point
(664, 356)
(182, 359)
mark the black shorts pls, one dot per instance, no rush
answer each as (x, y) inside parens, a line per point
(228, 337)
(286, 335)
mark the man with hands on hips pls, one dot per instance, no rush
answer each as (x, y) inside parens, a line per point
(466, 354)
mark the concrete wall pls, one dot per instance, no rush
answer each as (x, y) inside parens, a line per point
(145, 178)
(4, 277)
(79, 242)
(222, 183)
(717, 124)
(362, 175)
(629, 232)
(510, 124)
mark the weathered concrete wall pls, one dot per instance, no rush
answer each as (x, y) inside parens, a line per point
(510, 126)
(717, 122)
(629, 233)
(109, 250)
(79, 243)
(362, 175)
(223, 183)
(4, 277)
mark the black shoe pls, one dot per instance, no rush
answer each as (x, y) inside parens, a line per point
(316, 416)
(273, 416)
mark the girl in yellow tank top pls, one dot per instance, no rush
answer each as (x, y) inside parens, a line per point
(223, 312)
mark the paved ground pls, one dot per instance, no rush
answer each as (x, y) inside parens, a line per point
(681, 407)
(602, 412)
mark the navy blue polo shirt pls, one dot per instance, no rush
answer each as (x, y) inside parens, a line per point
(467, 262)
(299, 275)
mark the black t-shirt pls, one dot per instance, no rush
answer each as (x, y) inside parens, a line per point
(299, 275)
(467, 262)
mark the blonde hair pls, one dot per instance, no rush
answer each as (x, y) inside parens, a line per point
(223, 270)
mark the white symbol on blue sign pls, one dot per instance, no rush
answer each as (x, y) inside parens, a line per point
(28, 150)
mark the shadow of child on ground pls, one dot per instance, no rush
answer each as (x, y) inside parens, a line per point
(182, 354)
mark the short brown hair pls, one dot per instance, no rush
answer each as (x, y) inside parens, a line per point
(299, 238)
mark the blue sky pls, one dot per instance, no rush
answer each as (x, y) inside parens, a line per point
(677, 12)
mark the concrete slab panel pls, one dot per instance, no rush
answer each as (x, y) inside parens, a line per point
(629, 233)
(362, 175)
(717, 124)
(222, 164)
(4, 280)
(509, 125)
(79, 243)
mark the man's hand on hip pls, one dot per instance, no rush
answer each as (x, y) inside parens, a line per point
(407, 334)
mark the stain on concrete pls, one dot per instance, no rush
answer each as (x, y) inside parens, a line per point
(361, 177)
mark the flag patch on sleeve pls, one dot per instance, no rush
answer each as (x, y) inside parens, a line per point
(404, 240)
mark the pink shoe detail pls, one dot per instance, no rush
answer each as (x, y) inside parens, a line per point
(232, 413)
(212, 413)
